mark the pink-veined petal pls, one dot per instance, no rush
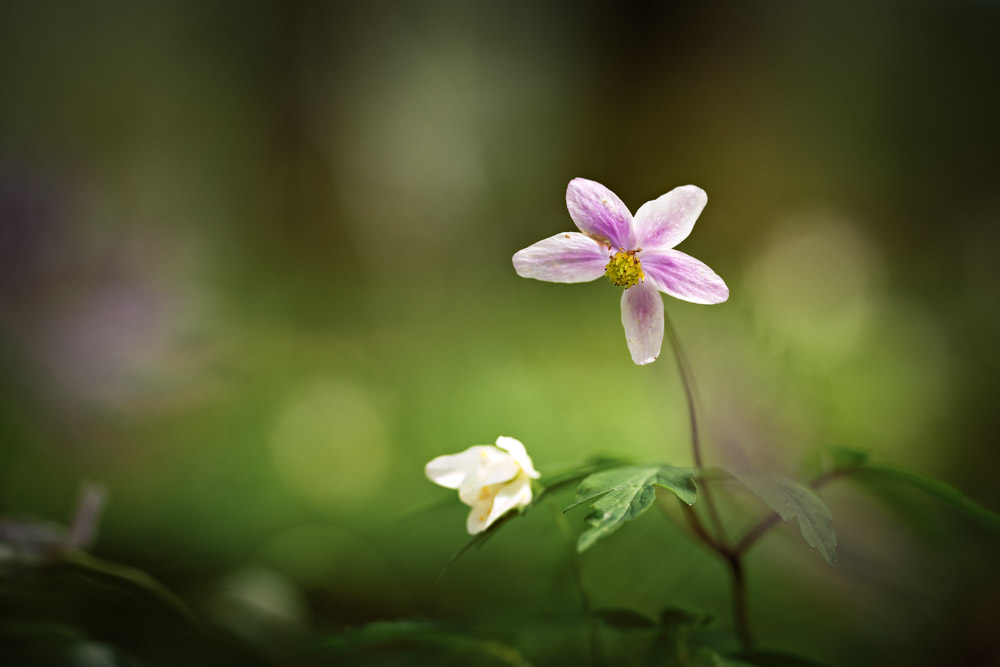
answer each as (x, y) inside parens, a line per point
(684, 277)
(668, 219)
(520, 454)
(642, 317)
(570, 257)
(599, 212)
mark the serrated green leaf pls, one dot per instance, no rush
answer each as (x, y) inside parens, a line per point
(937, 489)
(625, 493)
(560, 480)
(790, 499)
(678, 480)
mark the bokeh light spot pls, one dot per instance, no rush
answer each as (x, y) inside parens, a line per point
(816, 284)
(328, 445)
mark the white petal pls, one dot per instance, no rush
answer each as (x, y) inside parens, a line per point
(642, 317)
(570, 257)
(455, 470)
(479, 515)
(495, 466)
(495, 501)
(517, 450)
(516, 493)
(667, 220)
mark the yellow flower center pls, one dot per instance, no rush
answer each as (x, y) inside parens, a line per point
(625, 269)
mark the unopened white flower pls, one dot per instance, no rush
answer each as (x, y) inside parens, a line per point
(491, 480)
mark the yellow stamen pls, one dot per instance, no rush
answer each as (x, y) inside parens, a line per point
(625, 269)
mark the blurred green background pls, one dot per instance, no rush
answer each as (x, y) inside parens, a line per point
(255, 272)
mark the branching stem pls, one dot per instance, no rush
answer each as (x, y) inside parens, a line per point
(741, 618)
(757, 531)
(732, 555)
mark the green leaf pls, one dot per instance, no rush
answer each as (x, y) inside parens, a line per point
(625, 493)
(938, 490)
(553, 483)
(558, 481)
(790, 499)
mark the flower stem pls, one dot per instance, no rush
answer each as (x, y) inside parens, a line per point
(740, 616)
(689, 393)
(734, 560)
(732, 557)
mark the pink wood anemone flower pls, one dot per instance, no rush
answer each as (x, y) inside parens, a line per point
(633, 252)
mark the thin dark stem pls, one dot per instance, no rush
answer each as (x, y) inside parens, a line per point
(689, 394)
(765, 524)
(688, 389)
(755, 533)
(699, 529)
(740, 616)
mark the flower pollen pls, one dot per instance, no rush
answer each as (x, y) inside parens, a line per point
(625, 269)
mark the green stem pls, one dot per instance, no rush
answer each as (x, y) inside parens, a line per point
(741, 618)
(689, 393)
(699, 529)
